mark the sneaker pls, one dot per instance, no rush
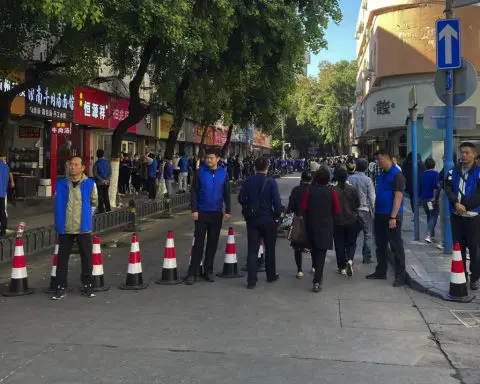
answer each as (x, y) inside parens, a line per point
(190, 280)
(316, 287)
(350, 268)
(59, 294)
(428, 239)
(342, 271)
(375, 276)
(474, 285)
(251, 286)
(274, 278)
(312, 270)
(299, 275)
(88, 291)
(440, 247)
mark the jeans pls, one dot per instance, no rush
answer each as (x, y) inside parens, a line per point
(103, 198)
(465, 230)
(384, 236)
(367, 228)
(255, 232)
(169, 186)
(432, 217)
(345, 237)
(182, 181)
(318, 261)
(208, 224)
(65, 243)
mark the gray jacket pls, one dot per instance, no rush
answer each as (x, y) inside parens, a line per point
(365, 189)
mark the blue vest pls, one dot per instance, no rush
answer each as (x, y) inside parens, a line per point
(471, 185)
(385, 193)
(152, 170)
(61, 201)
(4, 178)
(210, 189)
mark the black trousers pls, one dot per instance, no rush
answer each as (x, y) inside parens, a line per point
(151, 187)
(103, 199)
(385, 236)
(318, 261)
(3, 216)
(465, 230)
(65, 243)
(208, 224)
(255, 232)
(345, 237)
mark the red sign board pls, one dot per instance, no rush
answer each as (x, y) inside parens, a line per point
(119, 108)
(91, 107)
(60, 128)
(220, 137)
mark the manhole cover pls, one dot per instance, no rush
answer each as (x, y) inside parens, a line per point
(471, 319)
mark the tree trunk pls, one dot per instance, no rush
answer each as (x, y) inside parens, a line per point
(201, 149)
(5, 105)
(226, 145)
(113, 189)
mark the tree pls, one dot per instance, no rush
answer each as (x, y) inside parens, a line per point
(324, 103)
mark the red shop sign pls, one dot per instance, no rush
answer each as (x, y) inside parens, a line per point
(91, 107)
(119, 109)
(61, 128)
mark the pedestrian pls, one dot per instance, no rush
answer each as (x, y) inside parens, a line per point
(294, 206)
(183, 175)
(430, 195)
(366, 193)
(124, 174)
(151, 175)
(102, 173)
(262, 206)
(346, 224)
(388, 219)
(168, 175)
(373, 169)
(4, 180)
(176, 167)
(136, 170)
(210, 191)
(321, 206)
(75, 200)
(462, 187)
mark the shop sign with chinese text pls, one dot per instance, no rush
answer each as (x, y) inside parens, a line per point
(43, 103)
(91, 107)
(119, 108)
(61, 128)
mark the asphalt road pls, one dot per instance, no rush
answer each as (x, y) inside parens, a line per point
(354, 331)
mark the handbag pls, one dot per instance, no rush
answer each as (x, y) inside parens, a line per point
(298, 231)
(252, 211)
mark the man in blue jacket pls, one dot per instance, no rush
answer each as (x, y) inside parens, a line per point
(210, 191)
(102, 173)
(75, 201)
(4, 177)
(151, 175)
(463, 190)
(183, 174)
(261, 191)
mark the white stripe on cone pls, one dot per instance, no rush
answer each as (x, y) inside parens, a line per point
(56, 249)
(231, 239)
(134, 268)
(135, 247)
(96, 248)
(97, 270)
(54, 271)
(458, 278)
(231, 258)
(170, 243)
(19, 251)
(169, 263)
(19, 273)
(457, 256)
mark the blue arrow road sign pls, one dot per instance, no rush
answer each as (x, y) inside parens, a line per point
(448, 44)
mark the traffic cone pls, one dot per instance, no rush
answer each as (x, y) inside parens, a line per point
(169, 271)
(97, 261)
(134, 272)
(19, 279)
(261, 257)
(53, 274)
(458, 282)
(230, 266)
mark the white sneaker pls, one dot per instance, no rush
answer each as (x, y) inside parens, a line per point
(300, 275)
(313, 270)
(440, 247)
(342, 271)
(428, 239)
(350, 268)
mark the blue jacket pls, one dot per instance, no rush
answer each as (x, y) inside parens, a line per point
(430, 183)
(102, 170)
(210, 189)
(270, 202)
(168, 171)
(61, 202)
(183, 164)
(152, 170)
(385, 193)
(4, 177)
(470, 197)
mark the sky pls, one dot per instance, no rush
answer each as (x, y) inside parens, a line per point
(341, 42)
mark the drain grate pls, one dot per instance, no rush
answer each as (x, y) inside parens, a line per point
(470, 319)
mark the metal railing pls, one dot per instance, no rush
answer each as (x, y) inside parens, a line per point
(42, 239)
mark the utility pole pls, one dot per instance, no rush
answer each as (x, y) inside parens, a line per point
(413, 134)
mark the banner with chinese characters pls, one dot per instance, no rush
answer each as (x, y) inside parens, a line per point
(91, 107)
(119, 108)
(46, 104)
(60, 128)
(9, 79)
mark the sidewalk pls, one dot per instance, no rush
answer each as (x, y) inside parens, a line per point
(428, 268)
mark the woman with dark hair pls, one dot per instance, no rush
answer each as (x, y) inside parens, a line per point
(321, 206)
(346, 226)
(294, 205)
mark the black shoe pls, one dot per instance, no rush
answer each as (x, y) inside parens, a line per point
(399, 282)
(209, 277)
(88, 291)
(474, 285)
(367, 261)
(374, 276)
(251, 286)
(189, 280)
(274, 278)
(316, 287)
(59, 294)
(350, 268)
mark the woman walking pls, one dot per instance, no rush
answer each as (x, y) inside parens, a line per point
(346, 225)
(294, 206)
(430, 194)
(321, 205)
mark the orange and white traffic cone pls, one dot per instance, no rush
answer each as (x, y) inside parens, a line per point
(458, 282)
(261, 257)
(230, 265)
(19, 279)
(97, 261)
(169, 271)
(134, 272)
(53, 274)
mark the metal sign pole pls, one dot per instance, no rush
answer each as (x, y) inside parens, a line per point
(413, 132)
